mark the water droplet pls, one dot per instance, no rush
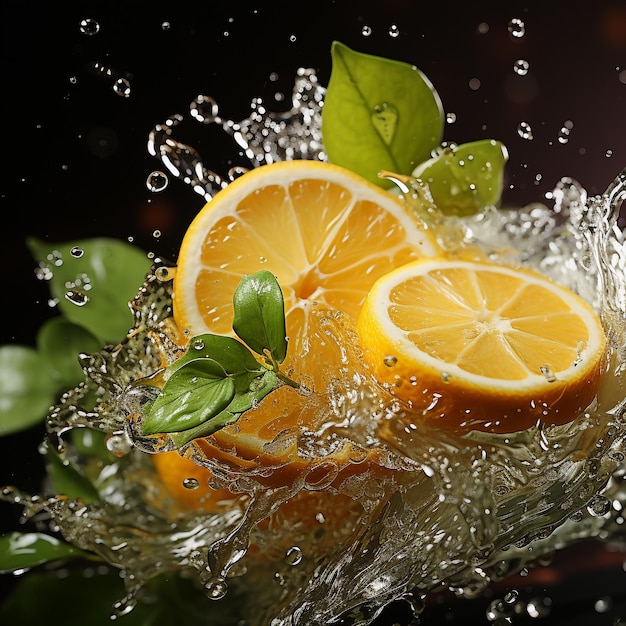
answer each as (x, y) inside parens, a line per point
(165, 273)
(450, 118)
(474, 84)
(122, 87)
(204, 110)
(548, 374)
(157, 181)
(385, 120)
(608, 154)
(599, 506)
(390, 360)
(603, 604)
(366, 31)
(191, 483)
(394, 31)
(483, 28)
(165, 26)
(156, 233)
(118, 443)
(76, 297)
(216, 589)
(293, 556)
(517, 28)
(521, 67)
(525, 131)
(77, 252)
(539, 607)
(198, 344)
(89, 26)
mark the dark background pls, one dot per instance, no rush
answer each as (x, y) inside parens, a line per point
(75, 162)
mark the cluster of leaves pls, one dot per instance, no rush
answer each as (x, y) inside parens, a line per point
(106, 274)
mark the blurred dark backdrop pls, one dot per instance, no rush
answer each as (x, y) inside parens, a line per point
(75, 161)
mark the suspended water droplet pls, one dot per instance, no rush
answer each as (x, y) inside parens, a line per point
(608, 154)
(539, 607)
(516, 27)
(157, 181)
(450, 118)
(599, 506)
(204, 110)
(191, 483)
(156, 233)
(390, 360)
(89, 26)
(483, 28)
(521, 67)
(165, 26)
(118, 444)
(122, 87)
(293, 556)
(394, 31)
(525, 131)
(366, 31)
(216, 589)
(78, 298)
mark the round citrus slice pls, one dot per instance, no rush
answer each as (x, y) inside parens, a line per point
(482, 346)
(326, 234)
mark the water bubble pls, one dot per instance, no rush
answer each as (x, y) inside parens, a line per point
(191, 483)
(164, 274)
(122, 87)
(394, 31)
(156, 233)
(525, 131)
(293, 556)
(521, 67)
(89, 26)
(390, 360)
(366, 31)
(517, 28)
(157, 181)
(483, 28)
(474, 84)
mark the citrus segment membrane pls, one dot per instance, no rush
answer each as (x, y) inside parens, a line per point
(482, 346)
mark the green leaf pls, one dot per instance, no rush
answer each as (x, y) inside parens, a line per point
(27, 388)
(259, 388)
(464, 179)
(60, 342)
(94, 288)
(193, 394)
(379, 114)
(24, 550)
(259, 314)
(69, 480)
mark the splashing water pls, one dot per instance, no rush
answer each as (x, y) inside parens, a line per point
(440, 510)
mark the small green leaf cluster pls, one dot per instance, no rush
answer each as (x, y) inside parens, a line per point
(219, 378)
(385, 115)
(102, 275)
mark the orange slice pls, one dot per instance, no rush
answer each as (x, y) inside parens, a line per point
(327, 234)
(481, 346)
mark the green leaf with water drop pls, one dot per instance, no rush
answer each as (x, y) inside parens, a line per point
(379, 114)
(27, 388)
(465, 179)
(259, 315)
(24, 550)
(93, 281)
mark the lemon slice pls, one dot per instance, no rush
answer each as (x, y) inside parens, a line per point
(481, 346)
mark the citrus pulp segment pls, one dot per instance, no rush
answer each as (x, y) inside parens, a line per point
(482, 346)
